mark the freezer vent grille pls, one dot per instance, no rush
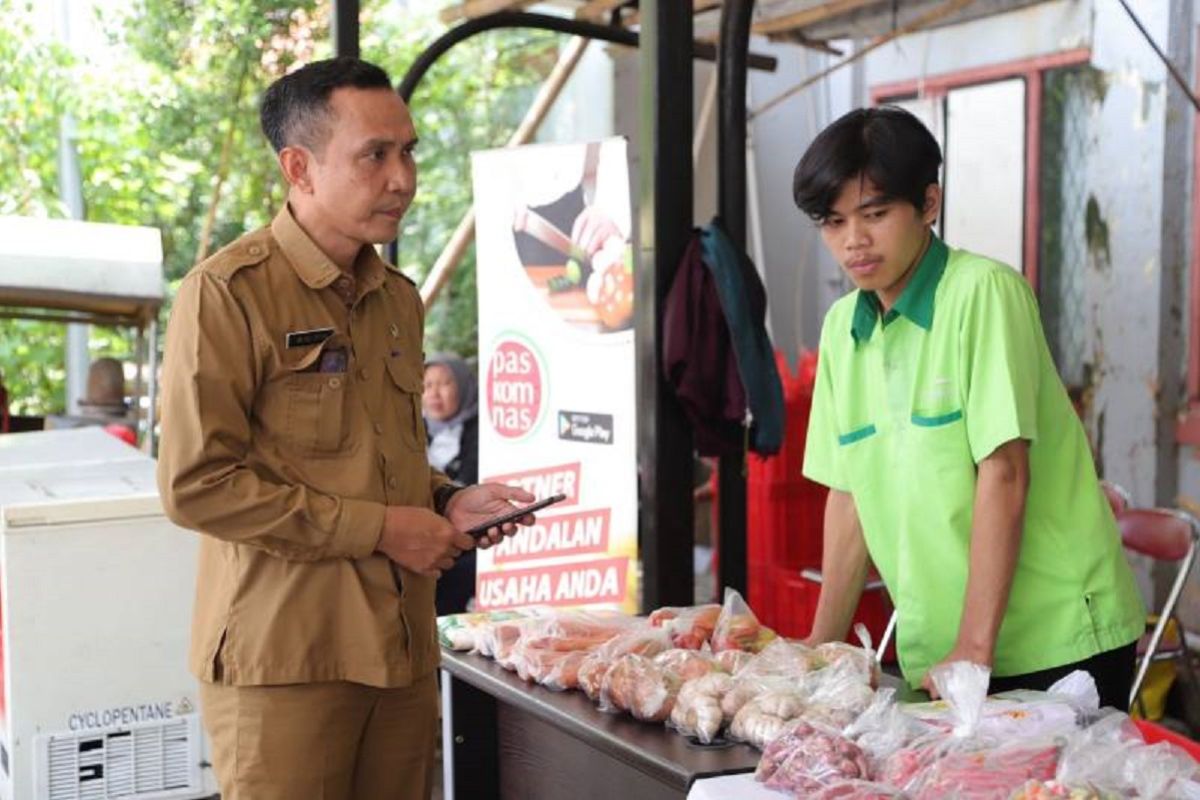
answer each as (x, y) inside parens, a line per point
(158, 760)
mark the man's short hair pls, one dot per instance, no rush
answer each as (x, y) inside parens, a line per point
(295, 108)
(885, 144)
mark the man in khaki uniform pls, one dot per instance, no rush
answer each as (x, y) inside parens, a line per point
(293, 439)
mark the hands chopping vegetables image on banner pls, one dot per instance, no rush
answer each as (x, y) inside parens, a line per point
(557, 405)
(570, 231)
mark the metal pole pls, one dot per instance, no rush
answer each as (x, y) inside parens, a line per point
(731, 193)
(344, 26)
(665, 209)
(151, 440)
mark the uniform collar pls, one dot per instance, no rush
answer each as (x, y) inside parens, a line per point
(915, 302)
(313, 266)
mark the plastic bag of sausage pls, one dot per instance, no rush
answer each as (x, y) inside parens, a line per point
(635, 684)
(963, 763)
(640, 639)
(690, 627)
(737, 628)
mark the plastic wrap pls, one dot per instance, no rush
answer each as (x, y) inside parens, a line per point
(687, 665)
(737, 628)
(636, 685)
(807, 758)
(1053, 790)
(691, 627)
(1111, 755)
(858, 790)
(734, 661)
(540, 643)
(766, 715)
(640, 639)
(697, 711)
(461, 631)
(883, 729)
(966, 764)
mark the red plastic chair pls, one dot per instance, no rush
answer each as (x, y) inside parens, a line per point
(1119, 498)
(1170, 536)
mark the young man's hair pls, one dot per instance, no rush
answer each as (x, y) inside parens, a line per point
(886, 145)
(295, 109)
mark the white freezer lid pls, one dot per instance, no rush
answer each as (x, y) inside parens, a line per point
(50, 492)
(21, 452)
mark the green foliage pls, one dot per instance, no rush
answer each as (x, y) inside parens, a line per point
(167, 135)
(472, 99)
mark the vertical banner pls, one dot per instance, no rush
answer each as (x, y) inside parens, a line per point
(556, 370)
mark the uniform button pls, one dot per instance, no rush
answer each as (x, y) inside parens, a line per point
(395, 331)
(379, 427)
(335, 383)
(255, 250)
(387, 287)
(362, 373)
(392, 482)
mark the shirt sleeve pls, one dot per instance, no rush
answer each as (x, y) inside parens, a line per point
(823, 461)
(209, 384)
(1002, 348)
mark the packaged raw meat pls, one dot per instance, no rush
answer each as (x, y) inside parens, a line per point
(807, 758)
(965, 764)
(858, 790)
(737, 627)
(640, 639)
(563, 632)
(1053, 790)
(989, 774)
(733, 661)
(687, 665)
(853, 660)
(691, 627)
(883, 728)
(782, 658)
(636, 685)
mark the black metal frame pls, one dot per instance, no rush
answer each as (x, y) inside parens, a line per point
(731, 193)
(666, 512)
(665, 451)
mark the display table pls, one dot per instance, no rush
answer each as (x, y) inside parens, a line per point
(505, 738)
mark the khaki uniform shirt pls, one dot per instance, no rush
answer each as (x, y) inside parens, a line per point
(284, 450)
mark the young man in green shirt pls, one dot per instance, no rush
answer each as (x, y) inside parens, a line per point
(954, 458)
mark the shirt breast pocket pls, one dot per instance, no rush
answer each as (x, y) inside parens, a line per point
(941, 440)
(407, 386)
(316, 401)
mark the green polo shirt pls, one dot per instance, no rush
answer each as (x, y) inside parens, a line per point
(906, 405)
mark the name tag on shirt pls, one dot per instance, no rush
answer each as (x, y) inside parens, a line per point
(307, 338)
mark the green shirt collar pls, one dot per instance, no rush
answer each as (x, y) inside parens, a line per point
(916, 301)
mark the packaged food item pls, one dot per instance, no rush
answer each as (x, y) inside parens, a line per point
(962, 763)
(737, 628)
(1111, 755)
(461, 631)
(640, 639)
(636, 685)
(1053, 790)
(691, 627)
(883, 729)
(858, 790)
(687, 665)
(733, 661)
(530, 646)
(765, 716)
(807, 758)
(697, 710)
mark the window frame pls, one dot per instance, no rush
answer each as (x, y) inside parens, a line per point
(1031, 69)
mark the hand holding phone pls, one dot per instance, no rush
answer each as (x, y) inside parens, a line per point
(482, 528)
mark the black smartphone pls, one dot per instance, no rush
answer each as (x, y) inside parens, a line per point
(515, 514)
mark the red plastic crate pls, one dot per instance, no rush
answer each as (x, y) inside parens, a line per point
(784, 523)
(1152, 732)
(788, 603)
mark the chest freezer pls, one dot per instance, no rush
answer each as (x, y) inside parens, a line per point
(96, 588)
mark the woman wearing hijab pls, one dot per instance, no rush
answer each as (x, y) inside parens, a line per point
(451, 407)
